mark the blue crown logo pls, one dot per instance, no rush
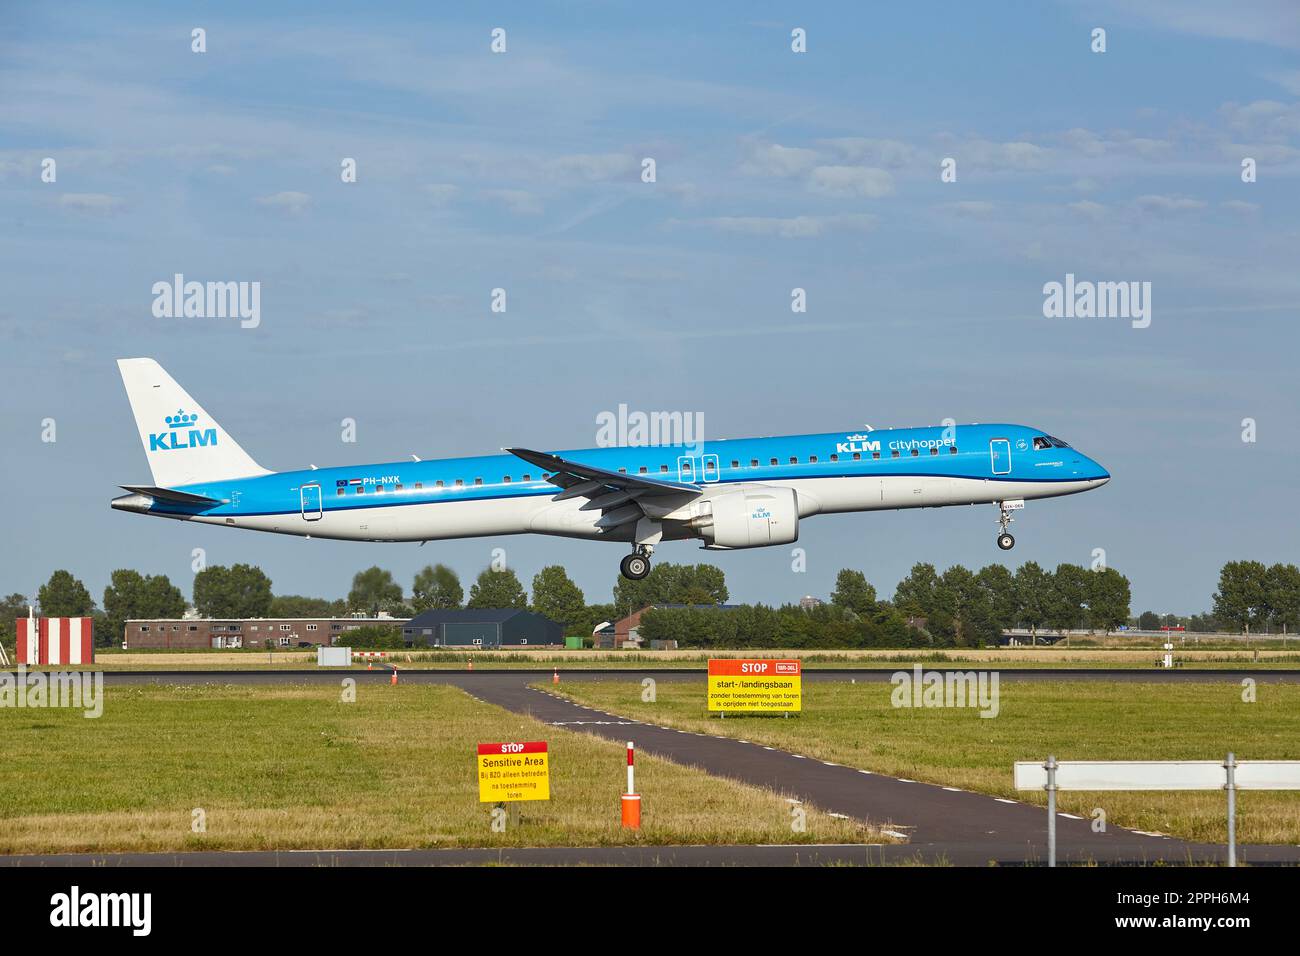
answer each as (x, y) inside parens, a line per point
(181, 420)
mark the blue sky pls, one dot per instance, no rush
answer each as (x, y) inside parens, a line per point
(775, 170)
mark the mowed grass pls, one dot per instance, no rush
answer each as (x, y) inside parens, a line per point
(856, 725)
(293, 767)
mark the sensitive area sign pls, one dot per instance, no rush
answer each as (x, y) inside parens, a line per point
(513, 771)
(763, 687)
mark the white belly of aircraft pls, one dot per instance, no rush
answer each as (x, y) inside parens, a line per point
(540, 515)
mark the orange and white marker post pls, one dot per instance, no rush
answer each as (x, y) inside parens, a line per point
(555, 677)
(394, 680)
(631, 799)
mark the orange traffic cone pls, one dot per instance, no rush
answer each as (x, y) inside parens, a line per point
(394, 680)
(555, 678)
(370, 665)
(471, 663)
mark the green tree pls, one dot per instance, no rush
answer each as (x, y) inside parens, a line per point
(918, 592)
(1033, 589)
(1148, 621)
(374, 590)
(132, 596)
(853, 592)
(64, 596)
(557, 597)
(497, 589)
(1069, 593)
(669, 583)
(436, 587)
(241, 590)
(11, 608)
(1283, 584)
(1242, 598)
(1109, 595)
(295, 605)
(999, 587)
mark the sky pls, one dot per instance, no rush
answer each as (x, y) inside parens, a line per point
(774, 170)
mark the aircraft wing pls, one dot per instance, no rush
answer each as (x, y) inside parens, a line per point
(615, 494)
(170, 494)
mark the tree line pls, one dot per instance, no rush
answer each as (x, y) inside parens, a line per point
(957, 607)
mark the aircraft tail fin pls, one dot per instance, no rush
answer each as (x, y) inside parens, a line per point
(183, 443)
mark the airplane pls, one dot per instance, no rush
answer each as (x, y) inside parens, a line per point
(731, 494)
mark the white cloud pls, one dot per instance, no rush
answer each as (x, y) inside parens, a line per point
(970, 207)
(797, 227)
(888, 153)
(772, 159)
(1086, 207)
(1164, 205)
(518, 201)
(440, 193)
(93, 203)
(1239, 206)
(593, 167)
(292, 203)
(864, 181)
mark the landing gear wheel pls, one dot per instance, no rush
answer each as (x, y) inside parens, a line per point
(634, 567)
(1006, 542)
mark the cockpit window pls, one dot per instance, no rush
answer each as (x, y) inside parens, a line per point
(1057, 443)
(1040, 443)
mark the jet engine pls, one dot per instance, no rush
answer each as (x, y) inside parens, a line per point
(753, 517)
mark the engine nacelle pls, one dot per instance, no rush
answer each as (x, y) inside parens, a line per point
(751, 518)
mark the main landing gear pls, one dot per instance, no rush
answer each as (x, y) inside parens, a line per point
(636, 565)
(1005, 540)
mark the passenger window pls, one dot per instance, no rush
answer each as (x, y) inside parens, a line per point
(772, 461)
(527, 477)
(397, 487)
(794, 460)
(438, 483)
(641, 470)
(934, 451)
(875, 455)
(916, 452)
(753, 463)
(622, 471)
(341, 490)
(835, 457)
(952, 450)
(710, 466)
(419, 485)
(857, 456)
(735, 464)
(379, 489)
(361, 489)
(812, 459)
(894, 453)
(506, 479)
(478, 481)
(460, 482)
(663, 468)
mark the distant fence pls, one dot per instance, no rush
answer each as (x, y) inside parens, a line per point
(1052, 634)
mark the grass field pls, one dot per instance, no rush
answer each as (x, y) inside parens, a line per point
(856, 725)
(285, 767)
(1190, 657)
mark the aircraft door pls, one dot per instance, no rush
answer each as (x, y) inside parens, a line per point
(711, 467)
(1000, 455)
(309, 498)
(686, 468)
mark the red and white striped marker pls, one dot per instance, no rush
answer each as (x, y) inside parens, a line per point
(631, 799)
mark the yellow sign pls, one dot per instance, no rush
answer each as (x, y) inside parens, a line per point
(755, 687)
(515, 771)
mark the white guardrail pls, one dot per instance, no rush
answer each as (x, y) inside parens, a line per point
(1229, 775)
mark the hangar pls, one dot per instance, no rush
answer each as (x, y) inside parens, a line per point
(483, 627)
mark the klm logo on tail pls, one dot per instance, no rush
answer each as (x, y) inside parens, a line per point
(181, 433)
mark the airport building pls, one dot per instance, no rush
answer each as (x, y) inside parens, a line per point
(626, 631)
(483, 627)
(194, 633)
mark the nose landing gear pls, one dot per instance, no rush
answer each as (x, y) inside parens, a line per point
(1005, 540)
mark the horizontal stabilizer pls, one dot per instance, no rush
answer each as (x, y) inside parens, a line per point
(176, 497)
